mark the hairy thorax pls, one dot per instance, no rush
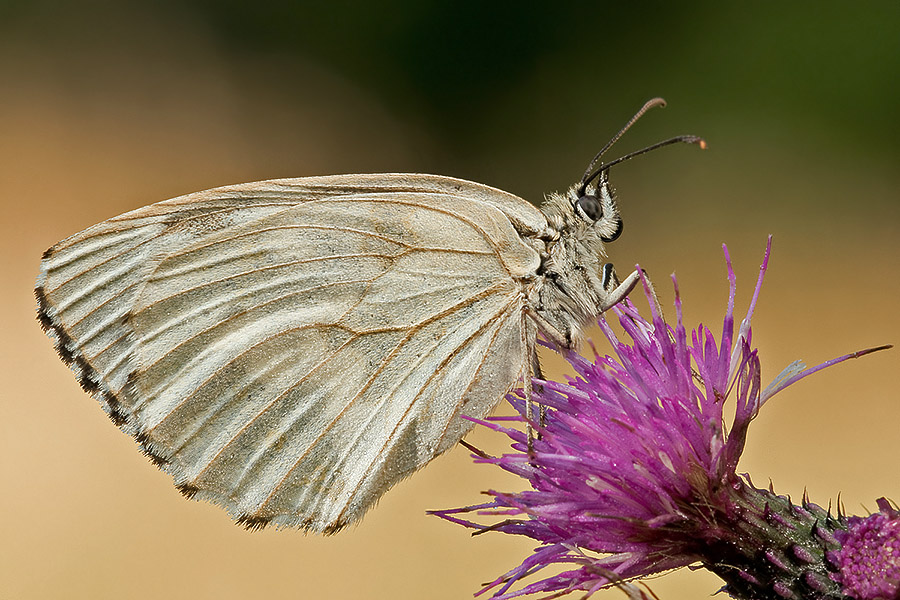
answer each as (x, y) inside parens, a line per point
(570, 290)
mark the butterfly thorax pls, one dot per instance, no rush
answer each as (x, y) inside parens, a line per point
(573, 284)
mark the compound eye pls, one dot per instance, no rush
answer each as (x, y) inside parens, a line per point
(590, 207)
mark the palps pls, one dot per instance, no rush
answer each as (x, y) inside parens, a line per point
(291, 349)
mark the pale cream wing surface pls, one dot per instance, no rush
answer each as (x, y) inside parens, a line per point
(295, 365)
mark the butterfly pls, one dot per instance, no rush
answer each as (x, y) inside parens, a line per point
(291, 349)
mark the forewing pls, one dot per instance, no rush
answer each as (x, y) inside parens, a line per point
(294, 367)
(89, 282)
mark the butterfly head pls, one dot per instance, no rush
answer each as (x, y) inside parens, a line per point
(593, 199)
(597, 206)
(580, 283)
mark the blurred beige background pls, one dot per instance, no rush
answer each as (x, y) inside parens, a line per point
(105, 107)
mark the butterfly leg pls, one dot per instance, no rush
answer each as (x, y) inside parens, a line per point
(538, 373)
(529, 407)
(533, 369)
(558, 339)
(615, 291)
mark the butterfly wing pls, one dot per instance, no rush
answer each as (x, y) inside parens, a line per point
(292, 358)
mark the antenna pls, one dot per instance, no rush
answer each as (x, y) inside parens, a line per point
(590, 174)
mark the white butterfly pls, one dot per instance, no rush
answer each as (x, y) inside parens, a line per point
(291, 349)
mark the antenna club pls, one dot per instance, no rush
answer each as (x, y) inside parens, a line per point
(694, 139)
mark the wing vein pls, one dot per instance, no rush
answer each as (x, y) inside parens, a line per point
(149, 239)
(471, 381)
(263, 409)
(448, 358)
(188, 365)
(362, 390)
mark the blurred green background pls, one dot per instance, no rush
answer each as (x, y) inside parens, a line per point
(106, 106)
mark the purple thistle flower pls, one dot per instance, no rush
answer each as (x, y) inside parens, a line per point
(634, 470)
(869, 558)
